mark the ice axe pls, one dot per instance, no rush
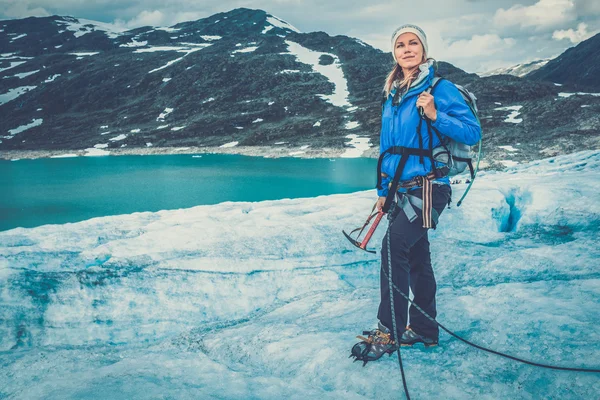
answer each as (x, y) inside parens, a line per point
(363, 244)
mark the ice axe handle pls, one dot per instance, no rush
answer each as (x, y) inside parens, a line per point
(371, 231)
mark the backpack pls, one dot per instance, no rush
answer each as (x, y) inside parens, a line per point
(456, 155)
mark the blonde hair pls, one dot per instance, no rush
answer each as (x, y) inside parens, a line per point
(396, 74)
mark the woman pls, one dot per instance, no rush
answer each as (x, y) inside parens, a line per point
(410, 113)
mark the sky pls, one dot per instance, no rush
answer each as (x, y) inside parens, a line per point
(475, 35)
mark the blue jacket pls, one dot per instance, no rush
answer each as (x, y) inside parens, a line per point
(399, 127)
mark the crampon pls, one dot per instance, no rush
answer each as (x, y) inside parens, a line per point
(374, 346)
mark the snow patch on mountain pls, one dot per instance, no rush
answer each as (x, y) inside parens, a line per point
(279, 23)
(512, 117)
(22, 128)
(14, 93)
(333, 72)
(357, 146)
(80, 27)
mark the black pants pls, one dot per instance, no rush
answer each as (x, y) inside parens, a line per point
(411, 265)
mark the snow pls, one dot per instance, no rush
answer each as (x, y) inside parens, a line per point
(333, 72)
(187, 50)
(25, 74)
(352, 125)
(230, 144)
(101, 146)
(14, 93)
(239, 127)
(246, 49)
(271, 103)
(267, 29)
(289, 71)
(68, 155)
(166, 79)
(137, 130)
(208, 100)
(117, 138)
(508, 148)
(318, 123)
(509, 163)
(52, 78)
(296, 153)
(512, 117)
(153, 49)
(82, 27)
(12, 65)
(168, 29)
(18, 37)
(104, 127)
(358, 145)
(257, 120)
(135, 43)
(177, 128)
(210, 37)
(85, 54)
(94, 152)
(306, 146)
(32, 124)
(164, 114)
(263, 300)
(162, 127)
(566, 95)
(148, 144)
(279, 23)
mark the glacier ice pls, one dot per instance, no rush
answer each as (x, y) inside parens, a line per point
(264, 300)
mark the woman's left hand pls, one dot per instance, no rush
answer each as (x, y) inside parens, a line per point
(425, 100)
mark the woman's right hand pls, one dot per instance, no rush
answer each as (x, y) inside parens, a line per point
(380, 203)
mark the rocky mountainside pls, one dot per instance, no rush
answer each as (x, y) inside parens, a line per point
(242, 77)
(579, 67)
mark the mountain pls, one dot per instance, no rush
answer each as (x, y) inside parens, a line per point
(245, 78)
(519, 70)
(579, 67)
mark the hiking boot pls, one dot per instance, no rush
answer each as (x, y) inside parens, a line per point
(410, 337)
(371, 348)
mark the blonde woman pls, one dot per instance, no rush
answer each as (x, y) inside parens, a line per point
(415, 120)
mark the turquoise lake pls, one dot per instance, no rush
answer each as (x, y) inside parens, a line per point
(61, 190)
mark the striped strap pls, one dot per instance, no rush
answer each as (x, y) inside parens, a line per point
(427, 202)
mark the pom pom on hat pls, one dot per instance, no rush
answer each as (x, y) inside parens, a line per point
(412, 29)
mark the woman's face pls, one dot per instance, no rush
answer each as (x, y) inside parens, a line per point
(408, 51)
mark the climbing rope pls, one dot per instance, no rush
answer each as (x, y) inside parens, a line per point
(393, 287)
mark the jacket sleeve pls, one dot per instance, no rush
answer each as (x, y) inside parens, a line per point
(385, 182)
(454, 117)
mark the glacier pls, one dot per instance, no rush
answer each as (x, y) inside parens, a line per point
(264, 300)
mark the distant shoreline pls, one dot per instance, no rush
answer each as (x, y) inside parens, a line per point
(257, 151)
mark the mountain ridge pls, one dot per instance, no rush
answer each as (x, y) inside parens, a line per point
(241, 76)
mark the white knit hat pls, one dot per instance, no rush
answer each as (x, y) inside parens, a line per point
(412, 29)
